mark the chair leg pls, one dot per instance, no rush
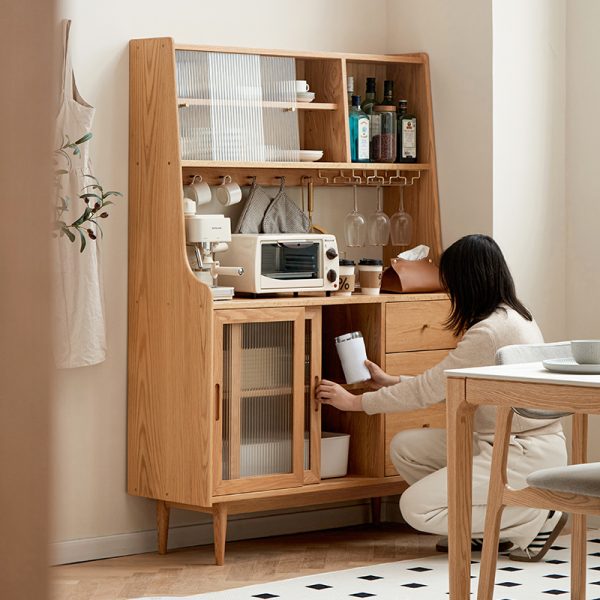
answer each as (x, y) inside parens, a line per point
(162, 524)
(493, 516)
(578, 557)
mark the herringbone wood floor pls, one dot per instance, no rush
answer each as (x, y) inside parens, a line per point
(192, 571)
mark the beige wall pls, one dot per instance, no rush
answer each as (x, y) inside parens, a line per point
(90, 409)
(27, 38)
(529, 153)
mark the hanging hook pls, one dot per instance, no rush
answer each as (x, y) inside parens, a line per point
(196, 177)
(252, 179)
(226, 179)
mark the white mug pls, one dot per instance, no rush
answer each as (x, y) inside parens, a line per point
(198, 191)
(228, 192)
(301, 86)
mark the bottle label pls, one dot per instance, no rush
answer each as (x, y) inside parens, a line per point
(363, 139)
(409, 138)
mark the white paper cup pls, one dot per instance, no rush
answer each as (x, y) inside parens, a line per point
(346, 279)
(353, 354)
(370, 273)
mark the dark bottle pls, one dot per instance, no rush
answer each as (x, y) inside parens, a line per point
(407, 135)
(388, 93)
(369, 101)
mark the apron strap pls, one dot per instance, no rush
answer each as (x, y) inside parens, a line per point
(67, 66)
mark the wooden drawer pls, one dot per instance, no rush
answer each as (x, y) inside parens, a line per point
(434, 416)
(417, 326)
(413, 363)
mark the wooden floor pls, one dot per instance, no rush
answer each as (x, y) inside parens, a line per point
(192, 570)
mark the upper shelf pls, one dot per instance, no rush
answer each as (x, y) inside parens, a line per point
(323, 166)
(185, 102)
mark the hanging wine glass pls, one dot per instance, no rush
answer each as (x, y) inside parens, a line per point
(401, 224)
(378, 224)
(355, 226)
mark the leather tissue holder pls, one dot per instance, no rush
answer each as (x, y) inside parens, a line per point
(411, 276)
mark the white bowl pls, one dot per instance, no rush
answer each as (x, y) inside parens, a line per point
(310, 155)
(586, 352)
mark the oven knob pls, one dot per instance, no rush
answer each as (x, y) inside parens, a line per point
(331, 253)
(332, 275)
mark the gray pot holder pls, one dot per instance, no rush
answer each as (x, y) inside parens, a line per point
(252, 216)
(284, 216)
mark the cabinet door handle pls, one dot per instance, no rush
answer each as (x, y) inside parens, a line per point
(315, 393)
(217, 402)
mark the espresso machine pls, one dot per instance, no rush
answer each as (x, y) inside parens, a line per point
(206, 236)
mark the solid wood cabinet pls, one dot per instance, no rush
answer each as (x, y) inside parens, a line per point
(222, 416)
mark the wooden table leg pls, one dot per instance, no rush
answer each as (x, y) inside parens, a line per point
(220, 532)
(162, 525)
(376, 510)
(460, 464)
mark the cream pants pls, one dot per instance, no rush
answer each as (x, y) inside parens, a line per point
(419, 455)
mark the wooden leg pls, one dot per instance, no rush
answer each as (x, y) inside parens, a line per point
(375, 510)
(220, 532)
(460, 467)
(493, 515)
(162, 524)
(578, 557)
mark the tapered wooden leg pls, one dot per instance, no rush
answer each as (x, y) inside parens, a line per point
(375, 510)
(460, 495)
(220, 532)
(578, 557)
(493, 515)
(162, 525)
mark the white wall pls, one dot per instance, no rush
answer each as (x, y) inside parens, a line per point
(458, 37)
(90, 405)
(529, 153)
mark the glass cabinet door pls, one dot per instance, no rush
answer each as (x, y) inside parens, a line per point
(260, 379)
(312, 409)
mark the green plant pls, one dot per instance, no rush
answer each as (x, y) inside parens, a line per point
(93, 196)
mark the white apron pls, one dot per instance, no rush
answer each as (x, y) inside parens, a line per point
(79, 332)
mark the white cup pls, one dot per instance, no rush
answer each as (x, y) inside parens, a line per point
(586, 352)
(301, 86)
(370, 272)
(346, 278)
(229, 192)
(198, 191)
(352, 352)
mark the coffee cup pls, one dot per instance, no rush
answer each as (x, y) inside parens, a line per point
(229, 192)
(353, 354)
(370, 271)
(586, 352)
(198, 191)
(301, 86)
(346, 279)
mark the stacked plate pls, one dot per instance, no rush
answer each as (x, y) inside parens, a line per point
(305, 96)
(310, 155)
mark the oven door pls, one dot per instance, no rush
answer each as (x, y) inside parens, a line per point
(291, 265)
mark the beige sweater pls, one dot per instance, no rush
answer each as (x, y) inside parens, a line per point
(476, 349)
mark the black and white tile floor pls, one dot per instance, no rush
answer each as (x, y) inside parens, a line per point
(427, 579)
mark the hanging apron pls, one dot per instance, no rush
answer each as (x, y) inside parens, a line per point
(79, 333)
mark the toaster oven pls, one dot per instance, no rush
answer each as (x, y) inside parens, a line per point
(290, 262)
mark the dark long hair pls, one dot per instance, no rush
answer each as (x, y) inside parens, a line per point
(475, 275)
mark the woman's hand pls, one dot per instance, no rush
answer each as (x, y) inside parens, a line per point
(379, 378)
(334, 394)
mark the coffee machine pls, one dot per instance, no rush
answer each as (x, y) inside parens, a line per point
(207, 235)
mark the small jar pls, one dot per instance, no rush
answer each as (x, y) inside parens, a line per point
(347, 278)
(384, 139)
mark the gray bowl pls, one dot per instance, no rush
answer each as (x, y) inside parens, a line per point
(586, 352)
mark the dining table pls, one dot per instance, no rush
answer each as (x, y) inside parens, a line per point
(525, 385)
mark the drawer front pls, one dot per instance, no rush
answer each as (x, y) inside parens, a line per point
(434, 416)
(413, 363)
(417, 326)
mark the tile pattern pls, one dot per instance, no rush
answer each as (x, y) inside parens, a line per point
(427, 578)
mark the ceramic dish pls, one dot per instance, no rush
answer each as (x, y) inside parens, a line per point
(568, 365)
(305, 97)
(310, 155)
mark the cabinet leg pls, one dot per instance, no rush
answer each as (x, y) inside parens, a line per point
(162, 524)
(220, 532)
(376, 510)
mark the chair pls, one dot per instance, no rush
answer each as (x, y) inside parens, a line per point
(570, 489)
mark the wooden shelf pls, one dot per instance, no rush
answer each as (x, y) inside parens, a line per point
(186, 102)
(281, 301)
(323, 166)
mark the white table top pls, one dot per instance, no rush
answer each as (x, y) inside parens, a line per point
(526, 373)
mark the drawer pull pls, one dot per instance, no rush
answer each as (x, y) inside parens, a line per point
(315, 393)
(217, 402)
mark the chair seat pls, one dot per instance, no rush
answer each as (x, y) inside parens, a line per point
(575, 479)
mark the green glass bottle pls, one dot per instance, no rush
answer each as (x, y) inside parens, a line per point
(407, 135)
(388, 93)
(370, 100)
(359, 132)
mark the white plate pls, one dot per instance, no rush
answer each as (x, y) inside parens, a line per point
(310, 155)
(569, 365)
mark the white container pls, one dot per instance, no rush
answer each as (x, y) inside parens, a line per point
(347, 278)
(353, 354)
(334, 454)
(370, 272)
